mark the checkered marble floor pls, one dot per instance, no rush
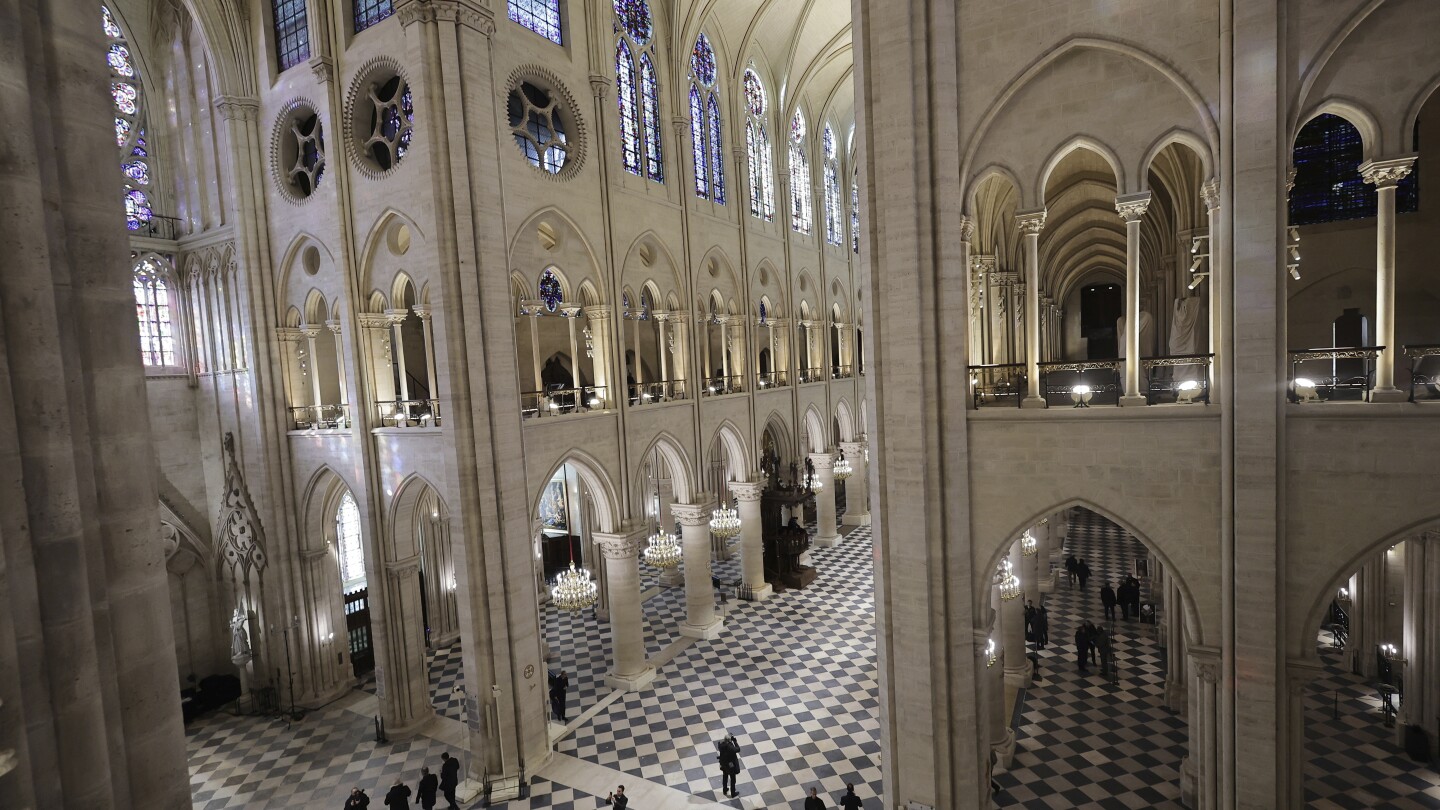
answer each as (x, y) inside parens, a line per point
(1081, 741)
(793, 678)
(1353, 759)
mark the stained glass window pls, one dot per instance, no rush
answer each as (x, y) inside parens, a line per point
(638, 91)
(137, 209)
(757, 149)
(855, 211)
(801, 216)
(292, 32)
(120, 62)
(348, 544)
(697, 144)
(707, 149)
(702, 62)
(126, 95)
(717, 151)
(1328, 185)
(369, 12)
(834, 219)
(152, 312)
(535, 123)
(392, 122)
(550, 291)
(540, 16)
(762, 313)
(122, 131)
(112, 29)
(136, 170)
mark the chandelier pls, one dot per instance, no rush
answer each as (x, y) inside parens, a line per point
(1028, 545)
(1010, 588)
(574, 590)
(663, 550)
(842, 469)
(1002, 570)
(992, 654)
(725, 522)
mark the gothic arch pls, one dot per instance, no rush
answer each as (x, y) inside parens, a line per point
(846, 418)
(815, 430)
(1117, 167)
(320, 498)
(592, 472)
(1175, 136)
(732, 438)
(404, 512)
(776, 424)
(1354, 112)
(412, 256)
(678, 463)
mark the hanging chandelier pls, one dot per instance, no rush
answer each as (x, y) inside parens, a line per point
(1010, 588)
(663, 550)
(992, 653)
(1029, 547)
(842, 469)
(725, 522)
(574, 590)
(1002, 570)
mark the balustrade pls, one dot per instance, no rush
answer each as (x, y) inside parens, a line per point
(652, 393)
(993, 384)
(1081, 384)
(1424, 371)
(408, 413)
(1333, 373)
(561, 401)
(772, 379)
(320, 417)
(812, 375)
(1182, 378)
(842, 372)
(720, 386)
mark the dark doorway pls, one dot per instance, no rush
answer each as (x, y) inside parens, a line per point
(357, 628)
(1101, 305)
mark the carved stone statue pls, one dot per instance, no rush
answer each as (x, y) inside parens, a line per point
(240, 653)
(1186, 325)
(1147, 333)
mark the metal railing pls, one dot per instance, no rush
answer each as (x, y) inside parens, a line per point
(994, 384)
(771, 379)
(655, 392)
(561, 401)
(1344, 372)
(1058, 382)
(720, 386)
(810, 375)
(842, 372)
(1424, 377)
(408, 413)
(320, 417)
(1176, 379)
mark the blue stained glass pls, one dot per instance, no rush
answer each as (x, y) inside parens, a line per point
(407, 109)
(702, 61)
(125, 98)
(697, 144)
(827, 139)
(122, 131)
(119, 59)
(754, 93)
(1328, 186)
(855, 211)
(762, 189)
(137, 209)
(634, 17)
(834, 225)
(292, 32)
(550, 291)
(629, 109)
(540, 16)
(137, 170)
(717, 152)
(369, 12)
(112, 30)
(762, 313)
(650, 109)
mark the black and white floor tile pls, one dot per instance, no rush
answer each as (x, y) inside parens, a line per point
(1083, 741)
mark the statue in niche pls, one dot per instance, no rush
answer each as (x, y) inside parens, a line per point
(240, 653)
(1147, 333)
(1187, 332)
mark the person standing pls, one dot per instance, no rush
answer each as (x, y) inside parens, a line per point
(1082, 647)
(449, 778)
(813, 801)
(1093, 634)
(729, 750)
(399, 796)
(1108, 599)
(357, 800)
(1072, 567)
(618, 799)
(425, 793)
(1042, 621)
(1134, 597)
(1083, 572)
(850, 801)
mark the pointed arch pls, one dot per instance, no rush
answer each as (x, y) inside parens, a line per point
(846, 418)
(1080, 142)
(1352, 111)
(678, 463)
(732, 438)
(815, 432)
(404, 514)
(377, 237)
(1179, 136)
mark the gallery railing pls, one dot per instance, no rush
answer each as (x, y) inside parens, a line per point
(659, 391)
(1424, 371)
(772, 379)
(409, 412)
(720, 386)
(1332, 373)
(997, 384)
(320, 417)
(1081, 384)
(1182, 378)
(810, 375)
(842, 372)
(561, 401)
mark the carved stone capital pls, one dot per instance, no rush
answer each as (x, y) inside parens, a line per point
(396, 315)
(1210, 193)
(822, 461)
(323, 67)
(287, 334)
(748, 491)
(599, 85)
(620, 546)
(692, 514)
(243, 108)
(1131, 207)
(967, 228)
(310, 332)
(598, 313)
(333, 326)
(983, 263)
(1386, 173)
(373, 320)
(400, 569)
(1031, 223)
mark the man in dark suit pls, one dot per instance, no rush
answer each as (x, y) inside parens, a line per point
(399, 796)
(729, 750)
(1083, 572)
(813, 801)
(618, 799)
(425, 793)
(1108, 599)
(449, 778)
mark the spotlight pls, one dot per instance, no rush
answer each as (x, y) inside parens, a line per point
(594, 402)
(1295, 253)
(1081, 395)
(1305, 390)
(1295, 234)
(1294, 271)
(1195, 264)
(1196, 279)
(1195, 245)
(1187, 391)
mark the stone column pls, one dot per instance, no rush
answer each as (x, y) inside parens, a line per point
(397, 352)
(312, 369)
(1298, 676)
(826, 535)
(598, 347)
(1018, 669)
(1176, 674)
(1045, 574)
(534, 313)
(407, 676)
(1210, 193)
(1199, 771)
(424, 313)
(572, 314)
(752, 547)
(1385, 175)
(629, 669)
(661, 319)
(1002, 737)
(857, 486)
(1031, 223)
(700, 618)
(1131, 208)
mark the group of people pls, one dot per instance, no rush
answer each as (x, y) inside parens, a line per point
(426, 792)
(1037, 625)
(1093, 642)
(1128, 597)
(727, 755)
(1077, 569)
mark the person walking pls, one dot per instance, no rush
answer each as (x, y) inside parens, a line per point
(729, 750)
(1042, 621)
(1134, 596)
(1094, 633)
(425, 792)
(559, 693)
(1072, 568)
(850, 801)
(1108, 599)
(357, 800)
(1124, 597)
(1082, 647)
(1083, 572)
(399, 796)
(813, 801)
(449, 778)
(618, 799)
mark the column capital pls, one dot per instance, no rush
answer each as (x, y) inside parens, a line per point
(822, 461)
(396, 315)
(287, 334)
(373, 320)
(399, 569)
(1210, 193)
(310, 332)
(570, 310)
(693, 514)
(1131, 207)
(599, 85)
(333, 326)
(852, 449)
(599, 312)
(1031, 222)
(243, 108)
(1386, 173)
(422, 311)
(623, 545)
(748, 491)
(1299, 673)
(967, 228)
(985, 263)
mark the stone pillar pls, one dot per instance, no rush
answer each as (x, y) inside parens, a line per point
(700, 618)
(1367, 618)
(572, 315)
(629, 669)
(826, 535)
(1131, 208)
(1176, 675)
(406, 699)
(752, 548)
(424, 313)
(1031, 223)
(312, 369)
(1045, 582)
(597, 346)
(661, 319)
(1298, 676)
(1385, 175)
(397, 353)
(857, 486)
(1199, 771)
(1018, 669)
(992, 677)
(534, 313)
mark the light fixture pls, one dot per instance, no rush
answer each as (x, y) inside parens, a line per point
(1305, 390)
(663, 550)
(1196, 279)
(842, 468)
(1344, 593)
(1010, 589)
(1389, 650)
(992, 653)
(1195, 263)
(1294, 231)
(574, 590)
(1295, 252)
(1029, 547)
(1186, 391)
(1081, 395)
(725, 522)
(1294, 271)
(594, 402)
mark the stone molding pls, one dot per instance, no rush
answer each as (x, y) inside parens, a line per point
(967, 228)
(1031, 223)
(1386, 173)
(822, 461)
(692, 514)
(1131, 207)
(399, 569)
(748, 491)
(1210, 193)
(243, 108)
(620, 546)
